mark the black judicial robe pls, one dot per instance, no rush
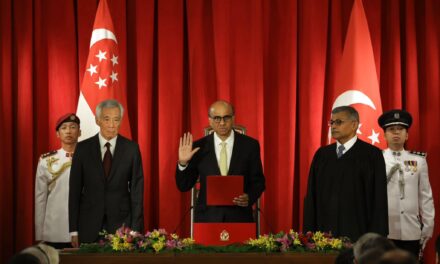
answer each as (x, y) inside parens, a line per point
(347, 196)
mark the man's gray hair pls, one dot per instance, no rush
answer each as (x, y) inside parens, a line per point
(352, 113)
(44, 253)
(358, 246)
(111, 103)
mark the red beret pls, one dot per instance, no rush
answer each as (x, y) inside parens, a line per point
(69, 117)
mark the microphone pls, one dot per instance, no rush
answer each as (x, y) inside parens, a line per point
(267, 224)
(182, 220)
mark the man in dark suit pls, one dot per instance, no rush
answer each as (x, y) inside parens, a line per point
(224, 152)
(106, 180)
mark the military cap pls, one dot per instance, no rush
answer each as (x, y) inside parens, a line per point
(69, 117)
(395, 117)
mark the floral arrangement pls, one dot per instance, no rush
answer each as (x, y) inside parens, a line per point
(127, 240)
(294, 241)
(158, 240)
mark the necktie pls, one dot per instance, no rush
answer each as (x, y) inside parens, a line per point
(69, 154)
(223, 160)
(340, 150)
(107, 161)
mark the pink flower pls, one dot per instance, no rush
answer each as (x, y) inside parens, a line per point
(310, 245)
(285, 242)
(171, 244)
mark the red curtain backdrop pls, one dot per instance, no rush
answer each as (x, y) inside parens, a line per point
(274, 60)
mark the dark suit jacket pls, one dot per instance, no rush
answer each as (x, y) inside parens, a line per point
(245, 160)
(91, 196)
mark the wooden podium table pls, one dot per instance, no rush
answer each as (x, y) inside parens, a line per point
(202, 258)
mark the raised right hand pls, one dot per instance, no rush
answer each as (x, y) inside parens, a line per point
(185, 149)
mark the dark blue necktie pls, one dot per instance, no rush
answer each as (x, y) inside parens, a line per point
(340, 150)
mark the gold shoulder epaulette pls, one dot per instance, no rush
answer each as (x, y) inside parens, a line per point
(418, 153)
(48, 154)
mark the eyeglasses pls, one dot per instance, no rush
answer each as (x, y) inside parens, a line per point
(337, 122)
(219, 119)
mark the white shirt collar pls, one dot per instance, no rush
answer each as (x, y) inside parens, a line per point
(391, 152)
(347, 145)
(63, 152)
(229, 141)
(102, 142)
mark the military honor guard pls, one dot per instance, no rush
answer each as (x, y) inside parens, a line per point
(52, 186)
(410, 202)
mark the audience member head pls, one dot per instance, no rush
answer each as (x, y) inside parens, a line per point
(378, 242)
(38, 254)
(371, 241)
(357, 247)
(24, 258)
(371, 256)
(345, 257)
(398, 256)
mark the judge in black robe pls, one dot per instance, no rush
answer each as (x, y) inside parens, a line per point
(347, 196)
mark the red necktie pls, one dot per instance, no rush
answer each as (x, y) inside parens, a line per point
(107, 161)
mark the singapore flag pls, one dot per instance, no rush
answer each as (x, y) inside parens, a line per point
(356, 80)
(101, 79)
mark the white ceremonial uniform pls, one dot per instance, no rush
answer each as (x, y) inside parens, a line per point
(52, 200)
(410, 202)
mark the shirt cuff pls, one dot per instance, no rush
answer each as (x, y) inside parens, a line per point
(181, 168)
(73, 233)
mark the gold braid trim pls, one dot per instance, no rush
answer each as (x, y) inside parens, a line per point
(55, 174)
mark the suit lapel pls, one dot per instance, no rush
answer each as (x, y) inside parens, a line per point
(96, 150)
(209, 151)
(235, 153)
(117, 156)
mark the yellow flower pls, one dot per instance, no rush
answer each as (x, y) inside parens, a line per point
(158, 246)
(188, 241)
(126, 246)
(336, 243)
(320, 244)
(264, 242)
(174, 236)
(116, 244)
(318, 236)
(155, 234)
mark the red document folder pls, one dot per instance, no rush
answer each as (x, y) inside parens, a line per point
(221, 190)
(221, 234)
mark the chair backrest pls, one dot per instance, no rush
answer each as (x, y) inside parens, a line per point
(195, 190)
